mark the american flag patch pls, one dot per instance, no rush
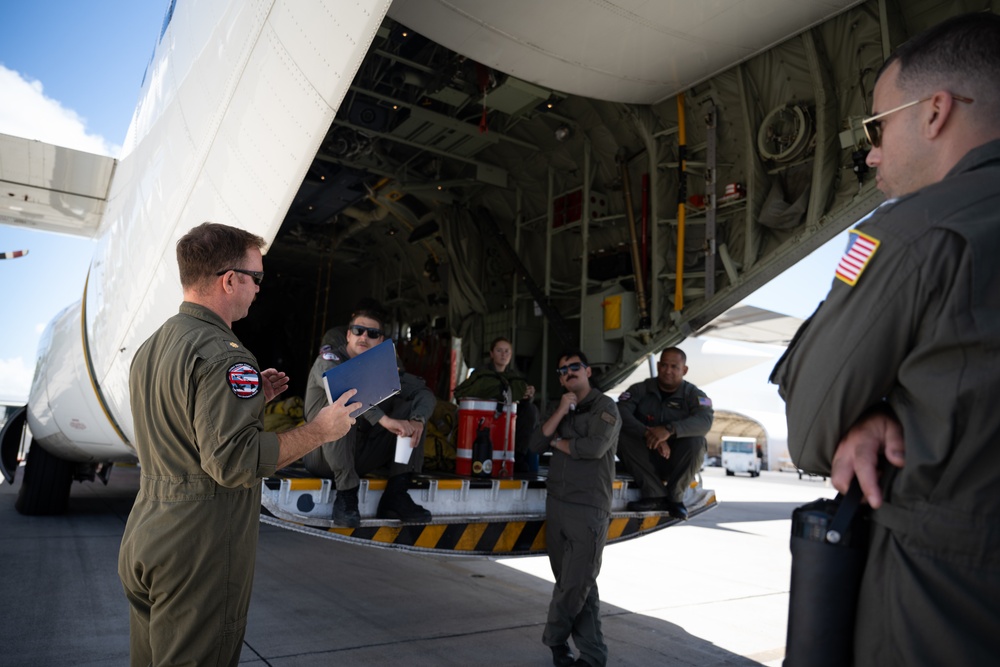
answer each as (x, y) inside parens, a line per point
(705, 401)
(860, 249)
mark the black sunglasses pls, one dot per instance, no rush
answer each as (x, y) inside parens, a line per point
(258, 276)
(575, 366)
(359, 330)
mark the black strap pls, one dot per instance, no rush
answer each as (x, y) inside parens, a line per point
(849, 504)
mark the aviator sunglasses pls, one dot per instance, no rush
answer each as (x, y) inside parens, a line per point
(359, 330)
(575, 366)
(873, 124)
(258, 276)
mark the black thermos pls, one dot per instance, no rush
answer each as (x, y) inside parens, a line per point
(829, 546)
(482, 451)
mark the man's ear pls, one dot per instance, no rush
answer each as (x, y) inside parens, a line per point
(941, 105)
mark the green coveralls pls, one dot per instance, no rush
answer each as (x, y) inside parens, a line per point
(688, 411)
(921, 330)
(187, 555)
(577, 510)
(367, 446)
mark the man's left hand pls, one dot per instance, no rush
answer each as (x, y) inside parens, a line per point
(655, 435)
(418, 429)
(561, 444)
(274, 383)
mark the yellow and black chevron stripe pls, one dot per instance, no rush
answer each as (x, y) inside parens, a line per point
(468, 535)
(475, 538)
(489, 538)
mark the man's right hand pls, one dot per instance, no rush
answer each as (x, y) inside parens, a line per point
(567, 403)
(857, 454)
(335, 419)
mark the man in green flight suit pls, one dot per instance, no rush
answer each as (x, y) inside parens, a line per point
(894, 378)
(582, 433)
(664, 422)
(371, 443)
(188, 552)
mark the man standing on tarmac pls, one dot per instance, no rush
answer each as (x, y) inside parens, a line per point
(581, 433)
(187, 557)
(894, 379)
(664, 422)
(371, 443)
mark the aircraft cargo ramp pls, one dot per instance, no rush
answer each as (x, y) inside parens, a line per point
(472, 516)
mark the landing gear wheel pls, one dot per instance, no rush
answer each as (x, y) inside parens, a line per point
(46, 482)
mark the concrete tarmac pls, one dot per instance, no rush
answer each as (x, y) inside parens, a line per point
(713, 591)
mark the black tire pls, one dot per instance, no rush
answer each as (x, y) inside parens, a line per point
(46, 482)
(10, 443)
(730, 473)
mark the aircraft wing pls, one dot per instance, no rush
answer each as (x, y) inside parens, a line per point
(750, 324)
(742, 337)
(51, 188)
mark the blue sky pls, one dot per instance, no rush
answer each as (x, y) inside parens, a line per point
(70, 73)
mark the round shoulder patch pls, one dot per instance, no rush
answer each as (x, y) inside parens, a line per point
(327, 353)
(624, 397)
(244, 380)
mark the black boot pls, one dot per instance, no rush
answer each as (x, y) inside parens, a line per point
(345, 508)
(562, 656)
(677, 510)
(397, 504)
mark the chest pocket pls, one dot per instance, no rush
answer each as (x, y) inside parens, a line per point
(649, 410)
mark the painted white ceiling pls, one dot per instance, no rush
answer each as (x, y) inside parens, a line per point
(639, 51)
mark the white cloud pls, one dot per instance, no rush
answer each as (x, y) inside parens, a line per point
(15, 380)
(26, 112)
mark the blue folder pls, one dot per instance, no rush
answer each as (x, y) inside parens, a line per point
(373, 373)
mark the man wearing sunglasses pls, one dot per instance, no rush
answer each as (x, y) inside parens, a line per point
(664, 422)
(581, 433)
(371, 443)
(894, 378)
(197, 397)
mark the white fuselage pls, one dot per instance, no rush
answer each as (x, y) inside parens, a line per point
(234, 104)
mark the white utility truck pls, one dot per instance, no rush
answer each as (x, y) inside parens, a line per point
(740, 455)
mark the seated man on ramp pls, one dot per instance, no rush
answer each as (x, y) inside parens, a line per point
(371, 442)
(664, 422)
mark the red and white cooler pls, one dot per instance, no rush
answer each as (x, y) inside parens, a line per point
(485, 438)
